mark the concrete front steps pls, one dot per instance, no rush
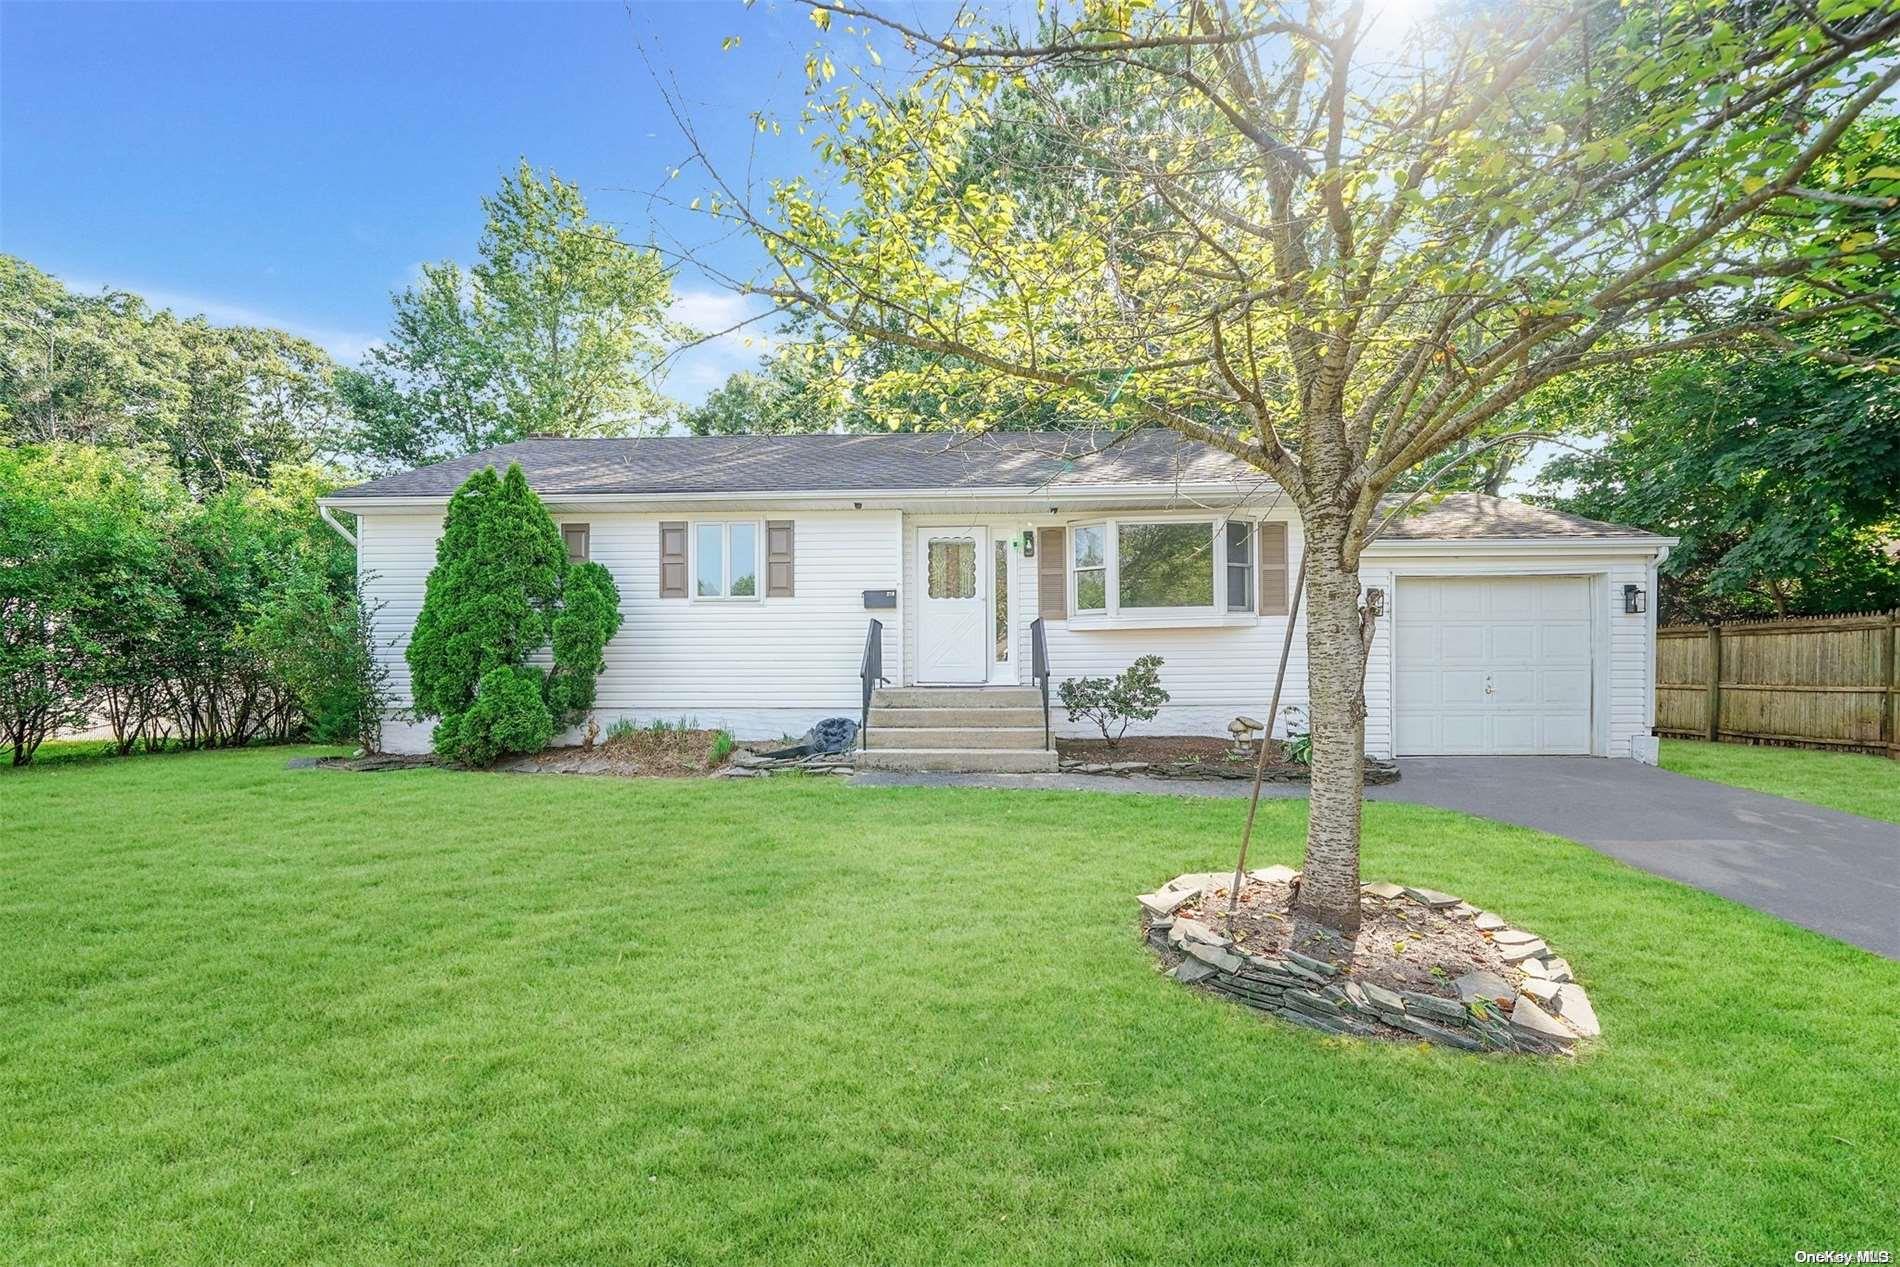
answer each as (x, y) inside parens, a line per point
(986, 729)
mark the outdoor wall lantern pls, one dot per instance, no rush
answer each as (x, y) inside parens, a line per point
(1029, 543)
(1375, 601)
(1633, 599)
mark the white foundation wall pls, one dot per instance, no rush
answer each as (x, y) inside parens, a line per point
(760, 668)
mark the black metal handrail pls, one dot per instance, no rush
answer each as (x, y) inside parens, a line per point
(871, 674)
(1039, 670)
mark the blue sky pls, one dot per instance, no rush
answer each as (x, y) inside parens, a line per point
(292, 164)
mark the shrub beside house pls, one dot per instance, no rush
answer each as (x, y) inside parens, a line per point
(503, 590)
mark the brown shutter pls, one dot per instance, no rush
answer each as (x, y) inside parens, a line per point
(778, 558)
(1273, 598)
(672, 560)
(1052, 573)
(574, 536)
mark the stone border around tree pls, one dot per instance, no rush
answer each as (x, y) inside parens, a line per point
(1545, 1013)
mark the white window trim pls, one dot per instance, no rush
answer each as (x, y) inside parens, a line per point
(1107, 569)
(1115, 616)
(725, 562)
(1252, 566)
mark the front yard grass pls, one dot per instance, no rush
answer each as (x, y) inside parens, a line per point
(1848, 781)
(258, 1015)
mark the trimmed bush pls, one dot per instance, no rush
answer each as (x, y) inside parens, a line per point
(1133, 695)
(590, 616)
(508, 715)
(491, 597)
(501, 591)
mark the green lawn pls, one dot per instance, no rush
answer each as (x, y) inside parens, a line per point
(1848, 781)
(254, 1015)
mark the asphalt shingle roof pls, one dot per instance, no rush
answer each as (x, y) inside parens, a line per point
(1025, 461)
(845, 463)
(1475, 516)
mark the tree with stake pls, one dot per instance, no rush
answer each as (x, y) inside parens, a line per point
(1333, 262)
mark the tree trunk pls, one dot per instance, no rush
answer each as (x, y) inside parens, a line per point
(1335, 674)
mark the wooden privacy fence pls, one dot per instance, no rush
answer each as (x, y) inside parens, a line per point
(1823, 681)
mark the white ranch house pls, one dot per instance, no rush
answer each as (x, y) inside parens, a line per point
(750, 568)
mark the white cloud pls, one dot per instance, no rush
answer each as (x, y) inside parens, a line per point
(345, 345)
(710, 310)
(695, 371)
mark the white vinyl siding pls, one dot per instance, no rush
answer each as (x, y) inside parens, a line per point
(763, 669)
(774, 666)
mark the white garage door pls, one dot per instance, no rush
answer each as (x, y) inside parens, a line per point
(1493, 665)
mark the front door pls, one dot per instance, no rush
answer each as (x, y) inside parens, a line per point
(953, 607)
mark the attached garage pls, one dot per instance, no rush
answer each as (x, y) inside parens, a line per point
(1512, 630)
(1493, 665)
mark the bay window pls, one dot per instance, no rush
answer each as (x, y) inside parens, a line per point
(1239, 566)
(1155, 569)
(1164, 565)
(1091, 567)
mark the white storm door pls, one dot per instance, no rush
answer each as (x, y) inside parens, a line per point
(953, 608)
(1493, 665)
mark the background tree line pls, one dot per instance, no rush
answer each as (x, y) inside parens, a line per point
(172, 619)
(163, 570)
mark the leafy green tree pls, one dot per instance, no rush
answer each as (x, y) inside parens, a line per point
(1780, 474)
(1779, 471)
(767, 401)
(204, 623)
(557, 329)
(224, 560)
(79, 556)
(224, 403)
(320, 644)
(1332, 263)
(502, 590)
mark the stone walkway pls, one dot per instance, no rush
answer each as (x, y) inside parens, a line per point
(1835, 873)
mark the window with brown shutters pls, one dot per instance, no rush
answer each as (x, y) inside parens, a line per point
(1273, 569)
(1052, 573)
(574, 537)
(778, 558)
(672, 560)
(1240, 574)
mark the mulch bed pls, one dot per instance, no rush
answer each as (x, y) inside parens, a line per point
(1192, 757)
(653, 754)
(1154, 749)
(1401, 944)
(370, 764)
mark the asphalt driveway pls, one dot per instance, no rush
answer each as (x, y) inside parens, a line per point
(1835, 873)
